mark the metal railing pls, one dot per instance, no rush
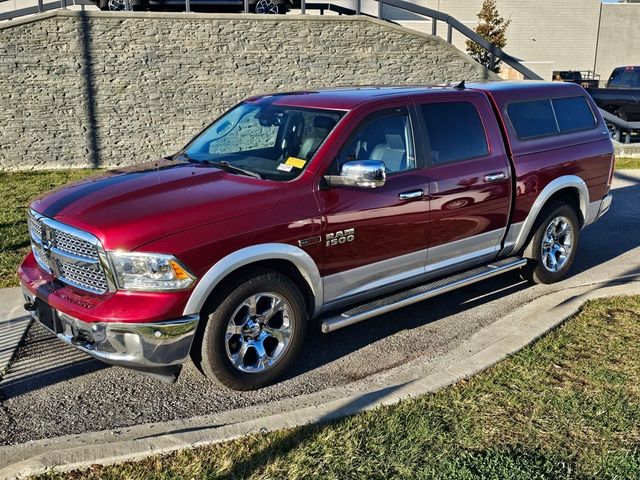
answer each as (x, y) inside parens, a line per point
(434, 16)
(42, 7)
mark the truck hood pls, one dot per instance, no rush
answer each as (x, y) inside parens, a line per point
(128, 208)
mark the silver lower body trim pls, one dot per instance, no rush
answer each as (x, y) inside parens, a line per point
(420, 293)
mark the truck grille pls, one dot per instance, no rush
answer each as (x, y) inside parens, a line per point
(70, 255)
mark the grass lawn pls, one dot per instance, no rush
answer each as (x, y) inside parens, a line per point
(627, 163)
(566, 407)
(16, 192)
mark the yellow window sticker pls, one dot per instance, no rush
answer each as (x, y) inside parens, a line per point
(296, 162)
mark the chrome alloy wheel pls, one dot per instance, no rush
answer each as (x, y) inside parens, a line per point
(557, 244)
(258, 332)
(266, 6)
(117, 5)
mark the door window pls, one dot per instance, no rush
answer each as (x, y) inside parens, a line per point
(455, 132)
(385, 137)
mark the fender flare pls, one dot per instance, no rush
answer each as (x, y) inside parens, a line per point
(560, 183)
(248, 255)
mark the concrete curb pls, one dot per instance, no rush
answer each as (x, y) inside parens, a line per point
(14, 323)
(488, 346)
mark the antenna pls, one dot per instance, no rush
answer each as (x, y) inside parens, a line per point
(460, 86)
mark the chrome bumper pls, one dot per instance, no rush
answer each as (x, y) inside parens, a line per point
(158, 349)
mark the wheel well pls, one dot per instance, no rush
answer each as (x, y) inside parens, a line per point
(284, 267)
(571, 196)
(568, 195)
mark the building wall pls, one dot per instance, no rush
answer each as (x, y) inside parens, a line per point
(101, 89)
(546, 35)
(619, 41)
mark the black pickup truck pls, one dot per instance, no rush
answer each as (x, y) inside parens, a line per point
(621, 96)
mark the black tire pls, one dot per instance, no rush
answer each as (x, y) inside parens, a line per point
(538, 269)
(212, 350)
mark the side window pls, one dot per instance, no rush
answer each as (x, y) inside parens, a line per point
(455, 132)
(573, 114)
(532, 119)
(539, 118)
(387, 138)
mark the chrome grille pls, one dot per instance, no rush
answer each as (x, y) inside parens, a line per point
(70, 255)
(89, 277)
(72, 244)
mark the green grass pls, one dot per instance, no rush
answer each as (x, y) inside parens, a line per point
(16, 192)
(566, 407)
(627, 163)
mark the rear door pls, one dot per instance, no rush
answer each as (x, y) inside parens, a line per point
(374, 237)
(469, 180)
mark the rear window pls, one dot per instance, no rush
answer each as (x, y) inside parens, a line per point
(538, 118)
(455, 132)
(625, 77)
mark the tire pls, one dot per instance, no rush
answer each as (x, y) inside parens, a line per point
(239, 346)
(552, 249)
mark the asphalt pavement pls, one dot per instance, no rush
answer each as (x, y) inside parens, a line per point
(52, 390)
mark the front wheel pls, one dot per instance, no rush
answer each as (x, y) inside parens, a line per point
(254, 333)
(554, 244)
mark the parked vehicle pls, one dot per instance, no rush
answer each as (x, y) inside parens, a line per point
(586, 79)
(256, 6)
(621, 96)
(335, 205)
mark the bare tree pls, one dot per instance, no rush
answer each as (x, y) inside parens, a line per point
(492, 27)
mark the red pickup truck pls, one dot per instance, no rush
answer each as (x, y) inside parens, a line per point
(333, 205)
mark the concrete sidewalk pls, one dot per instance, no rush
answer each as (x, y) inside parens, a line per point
(14, 322)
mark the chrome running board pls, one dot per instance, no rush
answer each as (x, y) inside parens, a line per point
(421, 292)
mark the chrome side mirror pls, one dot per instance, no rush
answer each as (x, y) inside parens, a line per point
(361, 173)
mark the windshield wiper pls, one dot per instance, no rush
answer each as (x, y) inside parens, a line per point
(227, 167)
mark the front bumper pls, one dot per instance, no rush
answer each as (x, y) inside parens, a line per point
(158, 348)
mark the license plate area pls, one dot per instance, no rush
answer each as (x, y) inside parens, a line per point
(47, 316)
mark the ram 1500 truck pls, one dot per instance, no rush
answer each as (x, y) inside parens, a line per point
(334, 205)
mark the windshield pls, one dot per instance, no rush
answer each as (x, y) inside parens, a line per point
(276, 142)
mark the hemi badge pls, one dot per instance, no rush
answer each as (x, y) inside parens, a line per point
(309, 241)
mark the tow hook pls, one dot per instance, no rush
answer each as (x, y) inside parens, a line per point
(30, 307)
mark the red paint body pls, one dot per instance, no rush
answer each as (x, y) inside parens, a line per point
(200, 214)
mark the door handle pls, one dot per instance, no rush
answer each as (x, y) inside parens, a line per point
(494, 177)
(410, 195)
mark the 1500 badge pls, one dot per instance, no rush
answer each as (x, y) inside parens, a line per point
(340, 237)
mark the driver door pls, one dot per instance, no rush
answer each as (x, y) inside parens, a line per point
(376, 237)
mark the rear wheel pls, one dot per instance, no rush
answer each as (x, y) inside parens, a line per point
(254, 333)
(554, 243)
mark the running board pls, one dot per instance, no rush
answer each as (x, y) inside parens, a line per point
(420, 293)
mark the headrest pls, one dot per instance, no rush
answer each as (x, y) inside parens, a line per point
(394, 141)
(326, 123)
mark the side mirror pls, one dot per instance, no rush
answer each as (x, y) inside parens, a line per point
(362, 173)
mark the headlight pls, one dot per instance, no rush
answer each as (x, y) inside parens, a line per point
(149, 271)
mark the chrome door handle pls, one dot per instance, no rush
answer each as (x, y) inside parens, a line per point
(494, 177)
(411, 195)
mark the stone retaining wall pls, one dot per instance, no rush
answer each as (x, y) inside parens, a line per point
(92, 88)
